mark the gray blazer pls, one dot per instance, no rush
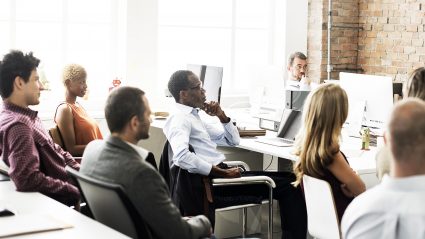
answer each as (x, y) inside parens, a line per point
(113, 160)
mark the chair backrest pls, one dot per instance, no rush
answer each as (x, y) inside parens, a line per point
(166, 158)
(110, 205)
(56, 135)
(321, 211)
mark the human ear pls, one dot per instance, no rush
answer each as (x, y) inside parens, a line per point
(19, 82)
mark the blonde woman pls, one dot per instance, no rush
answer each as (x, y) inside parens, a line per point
(317, 146)
(76, 127)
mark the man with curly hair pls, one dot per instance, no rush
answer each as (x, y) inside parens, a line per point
(36, 164)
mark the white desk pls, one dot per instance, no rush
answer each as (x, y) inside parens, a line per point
(363, 162)
(360, 161)
(37, 203)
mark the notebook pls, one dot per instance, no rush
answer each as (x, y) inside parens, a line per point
(288, 129)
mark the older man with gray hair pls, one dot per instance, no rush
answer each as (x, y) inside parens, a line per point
(395, 208)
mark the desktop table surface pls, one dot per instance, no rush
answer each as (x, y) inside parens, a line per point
(33, 203)
(362, 161)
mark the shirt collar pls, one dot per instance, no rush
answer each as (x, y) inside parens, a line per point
(17, 109)
(186, 109)
(412, 183)
(141, 151)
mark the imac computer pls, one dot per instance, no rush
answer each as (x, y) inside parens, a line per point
(211, 78)
(370, 99)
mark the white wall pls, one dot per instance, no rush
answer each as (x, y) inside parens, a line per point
(142, 44)
(296, 22)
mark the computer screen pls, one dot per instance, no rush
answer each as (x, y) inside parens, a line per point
(211, 78)
(375, 93)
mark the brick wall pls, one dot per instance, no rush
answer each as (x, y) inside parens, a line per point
(393, 40)
(380, 37)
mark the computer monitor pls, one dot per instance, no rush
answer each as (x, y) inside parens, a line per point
(373, 93)
(211, 78)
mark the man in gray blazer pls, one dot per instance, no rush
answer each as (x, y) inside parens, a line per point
(119, 160)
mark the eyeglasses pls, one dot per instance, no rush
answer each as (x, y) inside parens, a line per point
(299, 67)
(198, 87)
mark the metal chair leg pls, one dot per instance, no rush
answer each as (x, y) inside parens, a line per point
(270, 223)
(244, 221)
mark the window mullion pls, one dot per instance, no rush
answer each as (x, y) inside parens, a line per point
(233, 47)
(12, 24)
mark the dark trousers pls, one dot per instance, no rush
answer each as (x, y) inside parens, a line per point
(292, 207)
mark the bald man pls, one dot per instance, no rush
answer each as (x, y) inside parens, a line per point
(395, 208)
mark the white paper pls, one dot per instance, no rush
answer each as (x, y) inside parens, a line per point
(30, 223)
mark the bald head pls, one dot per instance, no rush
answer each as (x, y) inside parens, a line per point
(407, 133)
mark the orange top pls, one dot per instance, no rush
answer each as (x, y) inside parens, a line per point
(86, 128)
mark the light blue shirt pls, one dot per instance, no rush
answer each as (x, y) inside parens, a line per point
(393, 209)
(187, 126)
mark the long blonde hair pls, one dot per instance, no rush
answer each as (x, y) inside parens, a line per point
(325, 111)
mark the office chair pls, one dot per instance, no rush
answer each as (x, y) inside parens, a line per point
(57, 138)
(321, 212)
(110, 205)
(175, 176)
(56, 135)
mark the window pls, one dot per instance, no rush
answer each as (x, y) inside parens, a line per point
(239, 35)
(60, 32)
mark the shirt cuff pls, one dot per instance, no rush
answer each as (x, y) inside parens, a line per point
(229, 125)
(204, 168)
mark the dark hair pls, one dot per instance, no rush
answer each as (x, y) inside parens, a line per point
(14, 64)
(179, 80)
(294, 55)
(121, 105)
(415, 85)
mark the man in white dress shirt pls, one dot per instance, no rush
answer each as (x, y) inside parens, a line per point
(188, 126)
(395, 208)
(297, 72)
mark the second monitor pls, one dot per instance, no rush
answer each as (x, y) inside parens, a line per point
(211, 78)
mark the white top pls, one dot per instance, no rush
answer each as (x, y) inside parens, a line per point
(187, 126)
(302, 84)
(393, 209)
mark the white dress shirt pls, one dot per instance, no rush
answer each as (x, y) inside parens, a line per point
(186, 126)
(393, 209)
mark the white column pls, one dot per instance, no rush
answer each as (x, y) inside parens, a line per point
(142, 44)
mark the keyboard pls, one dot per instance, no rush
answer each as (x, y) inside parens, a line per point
(279, 142)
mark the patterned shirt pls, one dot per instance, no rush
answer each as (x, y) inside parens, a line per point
(36, 164)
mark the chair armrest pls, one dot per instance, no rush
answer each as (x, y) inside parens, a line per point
(244, 180)
(241, 164)
(78, 159)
